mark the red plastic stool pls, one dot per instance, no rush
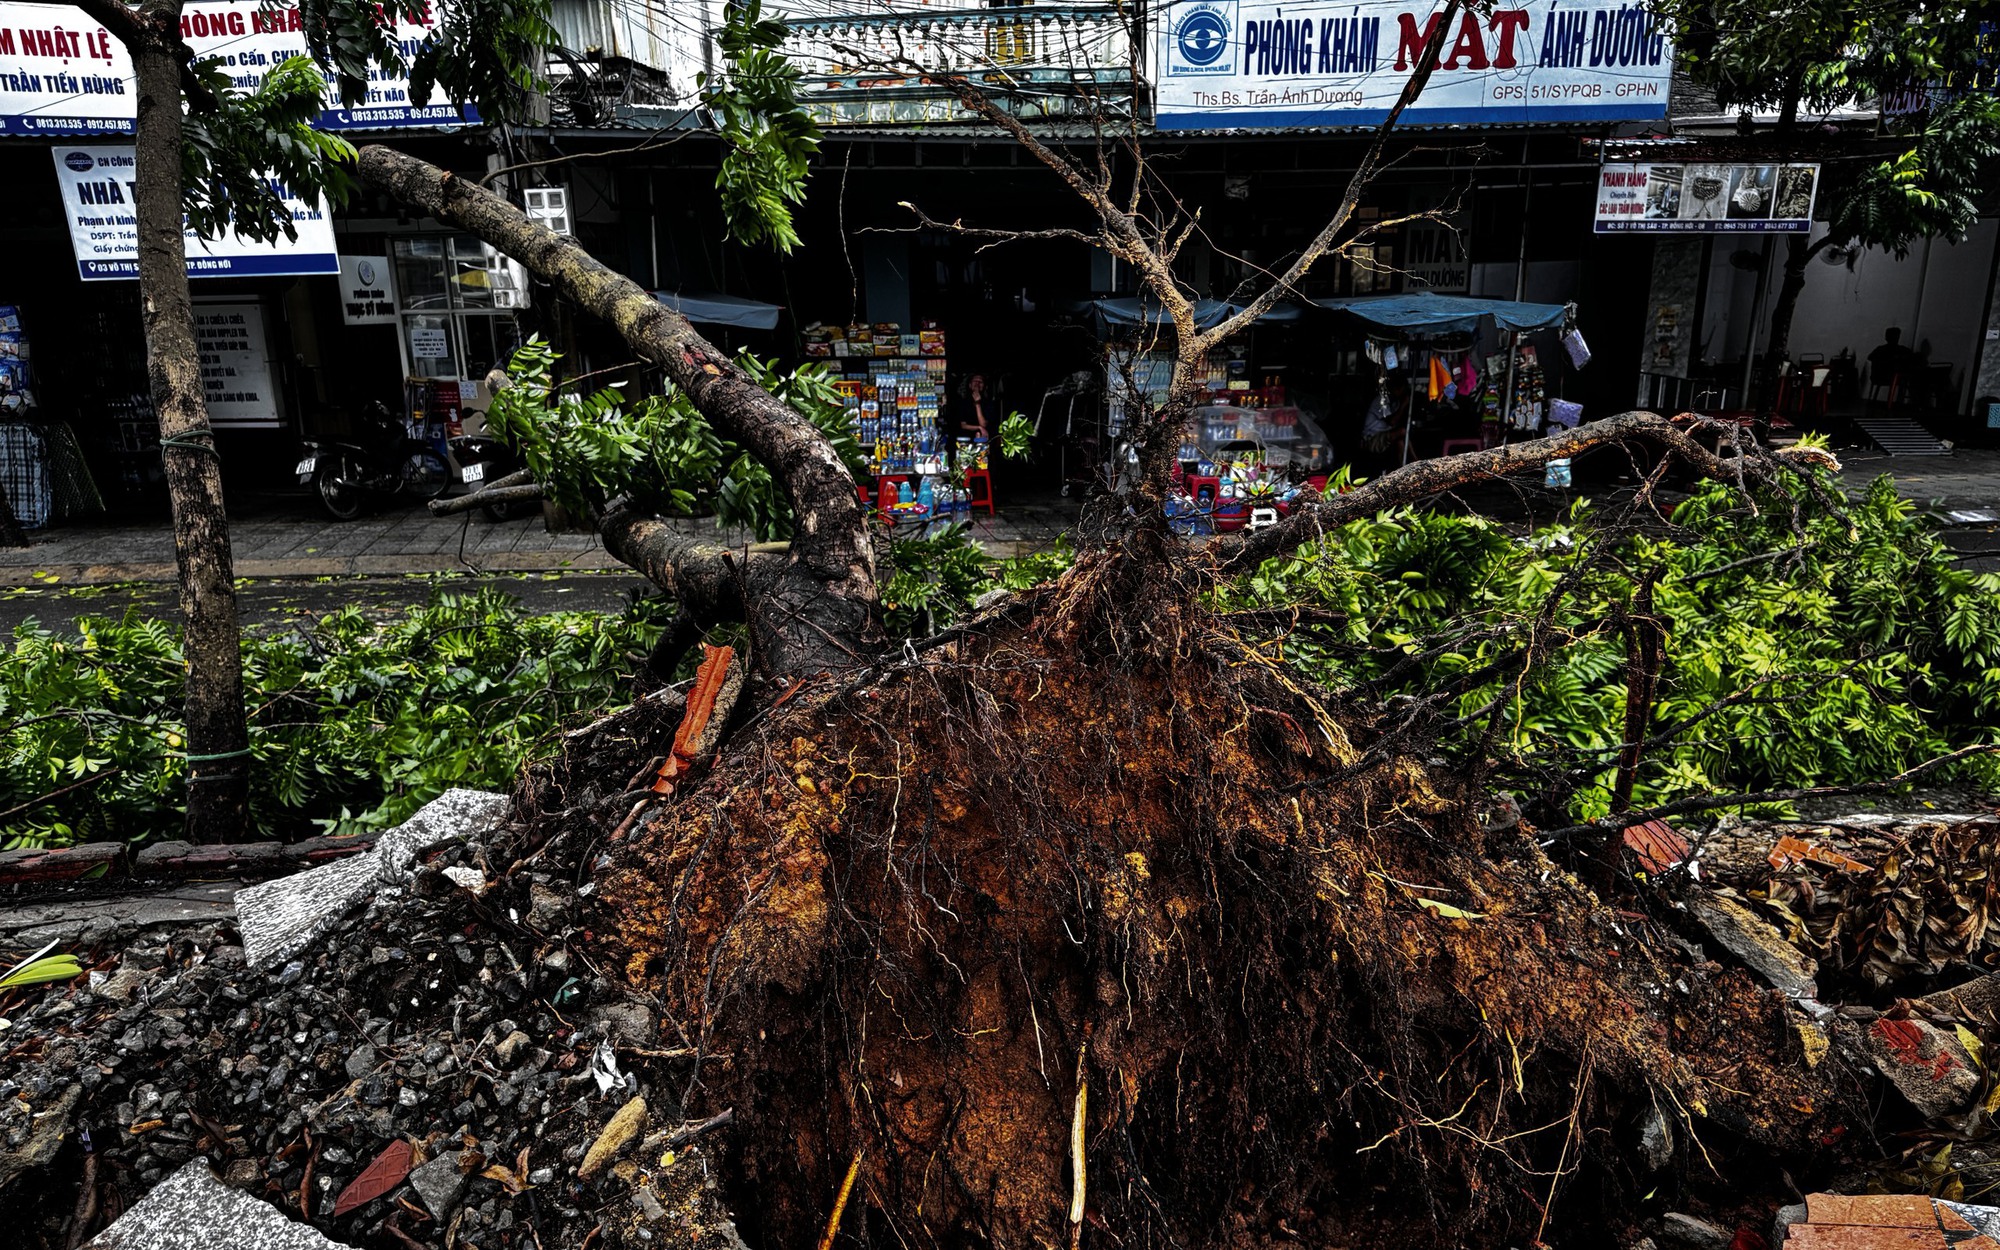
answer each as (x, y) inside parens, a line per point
(1204, 490)
(974, 480)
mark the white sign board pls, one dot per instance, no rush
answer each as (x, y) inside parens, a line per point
(96, 185)
(1704, 198)
(63, 74)
(367, 292)
(235, 366)
(429, 343)
(1434, 258)
(1226, 64)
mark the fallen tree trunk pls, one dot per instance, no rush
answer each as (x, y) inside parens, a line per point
(1421, 480)
(822, 608)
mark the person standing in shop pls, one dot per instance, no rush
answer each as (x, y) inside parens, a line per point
(975, 410)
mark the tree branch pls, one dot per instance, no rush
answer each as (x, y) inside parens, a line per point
(1351, 199)
(836, 593)
(1709, 802)
(506, 490)
(696, 574)
(999, 235)
(1422, 479)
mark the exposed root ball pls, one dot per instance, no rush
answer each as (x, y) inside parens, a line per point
(905, 920)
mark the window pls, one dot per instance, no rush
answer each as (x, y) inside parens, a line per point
(548, 206)
(458, 299)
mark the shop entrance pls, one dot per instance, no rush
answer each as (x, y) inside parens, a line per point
(1009, 315)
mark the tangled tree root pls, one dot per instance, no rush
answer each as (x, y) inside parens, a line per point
(1308, 1000)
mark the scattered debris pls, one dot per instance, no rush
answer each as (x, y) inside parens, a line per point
(378, 1178)
(441, 1184)
(623, 1129)
(1793, 850)
(1753, 940)
(1658, 848)
(1685, 1232)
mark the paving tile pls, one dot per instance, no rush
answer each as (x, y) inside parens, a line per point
(1859, 1237)
(1882, 1210)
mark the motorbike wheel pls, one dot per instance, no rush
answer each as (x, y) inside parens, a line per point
(425, 475)
(338, 485)
(500, 513)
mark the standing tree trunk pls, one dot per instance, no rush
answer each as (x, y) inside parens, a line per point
(217, 740)
(1798, 254)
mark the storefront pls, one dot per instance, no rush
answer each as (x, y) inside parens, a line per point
(362, 305)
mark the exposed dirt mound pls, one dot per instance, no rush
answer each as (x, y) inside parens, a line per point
(1309, 999)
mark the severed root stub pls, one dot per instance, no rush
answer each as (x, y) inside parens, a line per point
(1315, 1001)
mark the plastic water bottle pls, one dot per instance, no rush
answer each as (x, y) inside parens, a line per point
(927, 496)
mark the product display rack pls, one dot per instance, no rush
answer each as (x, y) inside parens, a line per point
(893, 386)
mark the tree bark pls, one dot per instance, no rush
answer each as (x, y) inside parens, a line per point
(819, 612)
(217, 740)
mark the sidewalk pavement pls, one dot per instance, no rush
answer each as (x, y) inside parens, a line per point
(1966, 479)
(284, 536)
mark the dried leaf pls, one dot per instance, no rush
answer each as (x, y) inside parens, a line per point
(378, 1178)
(1970, 1040)
(1449, 912)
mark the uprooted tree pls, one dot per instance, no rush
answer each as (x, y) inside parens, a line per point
(1088, 918)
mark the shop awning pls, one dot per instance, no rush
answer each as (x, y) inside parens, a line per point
(1425, 313)
(721, 310)
(1207, 312)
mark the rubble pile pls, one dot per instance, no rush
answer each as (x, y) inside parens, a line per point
(450, 1014)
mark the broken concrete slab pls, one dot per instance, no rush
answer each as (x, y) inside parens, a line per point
(1977, 1000)
(1927, 1065)
(280, 918)
(1755, 941)
(192, 1210)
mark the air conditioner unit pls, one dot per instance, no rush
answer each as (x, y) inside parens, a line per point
(548, 206)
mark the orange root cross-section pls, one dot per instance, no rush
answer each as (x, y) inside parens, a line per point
(708, 681)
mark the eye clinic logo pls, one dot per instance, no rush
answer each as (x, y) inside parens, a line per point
(1200, 38)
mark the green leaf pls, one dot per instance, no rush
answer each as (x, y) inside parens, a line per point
(42, 972)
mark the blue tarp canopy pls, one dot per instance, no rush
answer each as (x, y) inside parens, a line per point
(721, 310)
(1425, 313)
(1207, 312)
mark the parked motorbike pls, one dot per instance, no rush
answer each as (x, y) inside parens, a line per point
(382, 461)
(483, 459)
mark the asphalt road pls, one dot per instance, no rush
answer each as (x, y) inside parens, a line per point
(277, 604)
